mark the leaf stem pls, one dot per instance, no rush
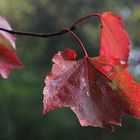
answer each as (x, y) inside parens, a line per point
(81, 19)
(47, 35)
(77, 39)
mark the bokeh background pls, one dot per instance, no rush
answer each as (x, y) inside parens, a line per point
(21, 94)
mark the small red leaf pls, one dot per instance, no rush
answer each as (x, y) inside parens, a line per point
(10, 38)
(68, 54)
(114, 39)
(98, 90)
(8, 60)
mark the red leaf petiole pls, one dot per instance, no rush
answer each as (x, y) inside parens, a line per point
(77, 39)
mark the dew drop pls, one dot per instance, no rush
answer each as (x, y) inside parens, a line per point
(87, 93)
(122, 62)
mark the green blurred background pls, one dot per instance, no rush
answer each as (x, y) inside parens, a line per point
(21, 94)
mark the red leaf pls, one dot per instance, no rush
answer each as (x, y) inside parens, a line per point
(68, 54)
(8, 60)
(10, 38)
(98, 90)
(114, 39)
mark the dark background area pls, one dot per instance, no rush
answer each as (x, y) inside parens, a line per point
(21, 94)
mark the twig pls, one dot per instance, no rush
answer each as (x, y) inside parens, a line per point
(47, 35)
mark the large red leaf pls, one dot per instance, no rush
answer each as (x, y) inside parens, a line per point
(114, 39)
(9, 37)
(8, 60)
(98, 90)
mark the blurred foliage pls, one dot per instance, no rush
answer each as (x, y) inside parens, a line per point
(21, 95)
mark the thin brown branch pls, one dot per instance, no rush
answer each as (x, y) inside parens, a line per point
(46, 35)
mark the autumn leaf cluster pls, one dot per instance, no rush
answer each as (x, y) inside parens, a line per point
(98, 90)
